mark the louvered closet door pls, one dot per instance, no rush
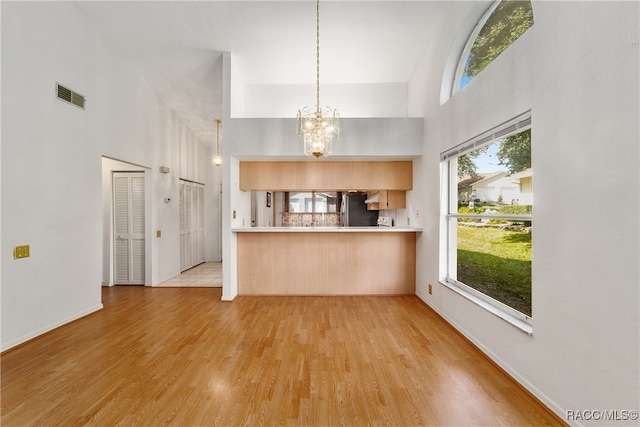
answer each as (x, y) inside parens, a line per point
(183, 229)
(128, 225)
(199, 224)
(188, 242)
(191, 224)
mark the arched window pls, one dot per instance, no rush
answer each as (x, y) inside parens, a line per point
(498, 28)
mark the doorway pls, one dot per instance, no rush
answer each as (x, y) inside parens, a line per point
(129, 228)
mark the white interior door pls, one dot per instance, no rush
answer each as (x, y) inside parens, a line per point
(183, 229)
(192, 222)
(128, 228)
(199, 224)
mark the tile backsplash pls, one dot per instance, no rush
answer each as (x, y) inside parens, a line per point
(307, 219)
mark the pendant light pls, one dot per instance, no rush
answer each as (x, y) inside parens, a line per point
(316, 127)
(217, 159)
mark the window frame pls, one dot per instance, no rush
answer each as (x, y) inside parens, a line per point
(470, 42)
(313, 201)
(450, 215)
(462, 60)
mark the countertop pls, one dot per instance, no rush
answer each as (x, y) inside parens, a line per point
(327, 230)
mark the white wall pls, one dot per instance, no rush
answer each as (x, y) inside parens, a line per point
(264, 214)
(577, 70)
(389, 138)
(52, 164)
(362, 100)
(213, 213)
(51, 175)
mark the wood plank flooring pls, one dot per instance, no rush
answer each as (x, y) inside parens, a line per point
(181, 357)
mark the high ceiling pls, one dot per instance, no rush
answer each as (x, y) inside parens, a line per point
(177, 45)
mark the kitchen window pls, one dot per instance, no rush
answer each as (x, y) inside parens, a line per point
(312, 201)
(487, 205)
(311, 209)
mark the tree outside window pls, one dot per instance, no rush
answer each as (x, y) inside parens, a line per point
(490, 202)
(508, 21)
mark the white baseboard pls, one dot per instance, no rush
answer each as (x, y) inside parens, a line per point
(549, 403)
(51, 327)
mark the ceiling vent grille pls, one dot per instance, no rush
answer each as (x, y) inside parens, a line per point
(67, 95)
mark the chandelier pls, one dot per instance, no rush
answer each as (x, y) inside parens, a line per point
(217, 159)
(315, 126)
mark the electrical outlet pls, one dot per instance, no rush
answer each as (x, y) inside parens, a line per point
(417, 214)
(408, 221)
(430, 289)
(21, 252)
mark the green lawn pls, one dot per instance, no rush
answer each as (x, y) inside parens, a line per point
(497, 262)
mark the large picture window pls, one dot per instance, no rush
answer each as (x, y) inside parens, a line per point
(488, 213)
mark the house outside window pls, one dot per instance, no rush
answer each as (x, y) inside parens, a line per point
(488, 207)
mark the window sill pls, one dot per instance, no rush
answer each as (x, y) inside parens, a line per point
(507, 317)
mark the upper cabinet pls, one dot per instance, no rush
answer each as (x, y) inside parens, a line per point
(326, 175)
(387, 199)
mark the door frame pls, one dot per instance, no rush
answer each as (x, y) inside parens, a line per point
(202, 214)
(132, 237)
(109, 166)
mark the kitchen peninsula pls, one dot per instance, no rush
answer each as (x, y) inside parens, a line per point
(326, 260)
(321, 254)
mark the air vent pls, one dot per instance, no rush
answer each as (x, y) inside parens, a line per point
(67, 95)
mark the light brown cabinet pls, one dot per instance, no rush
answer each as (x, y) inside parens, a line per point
(388, 199)
(326, 175)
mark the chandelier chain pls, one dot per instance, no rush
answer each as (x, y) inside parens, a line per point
(218, 136)
(318, 54)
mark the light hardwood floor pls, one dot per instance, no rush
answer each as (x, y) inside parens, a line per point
(177, 356)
